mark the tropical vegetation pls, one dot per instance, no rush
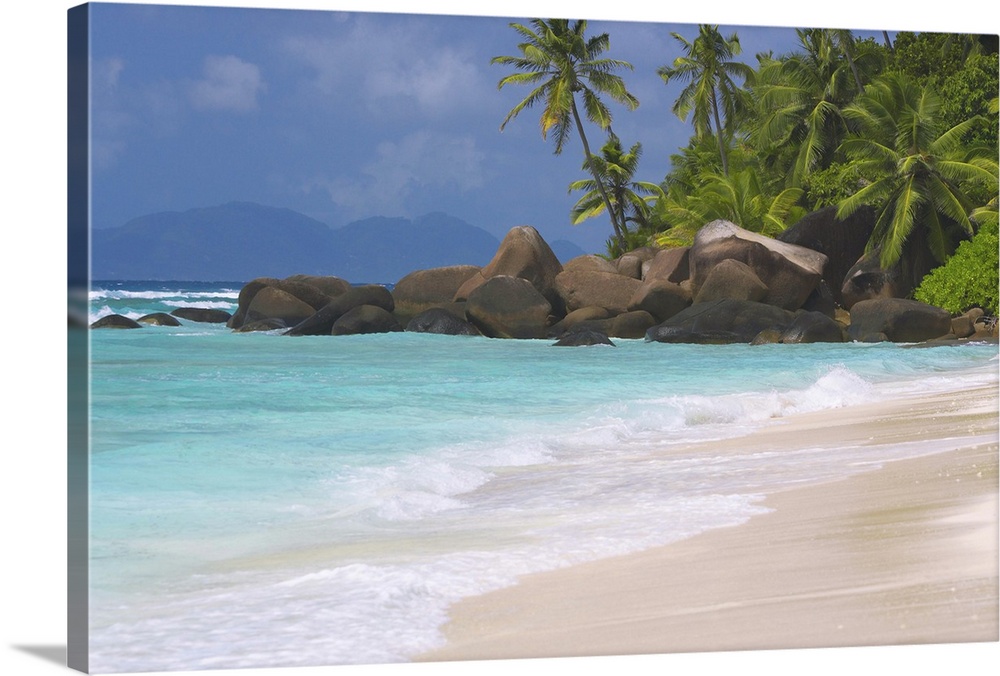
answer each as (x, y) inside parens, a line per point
(560, 62)
(969, 279)
(906, 126)
(614, 170)
(713, 93)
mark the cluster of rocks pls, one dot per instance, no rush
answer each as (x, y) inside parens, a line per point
(815, 283)
(194, 314)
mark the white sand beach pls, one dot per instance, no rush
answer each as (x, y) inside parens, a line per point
(903, 554)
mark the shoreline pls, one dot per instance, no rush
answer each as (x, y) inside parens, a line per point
(899, 555)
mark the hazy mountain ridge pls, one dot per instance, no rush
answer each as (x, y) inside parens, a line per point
(241, 240)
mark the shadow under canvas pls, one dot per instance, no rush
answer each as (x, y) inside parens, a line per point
(50, 653)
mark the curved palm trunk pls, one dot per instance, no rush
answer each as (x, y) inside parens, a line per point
(854, 71)
(619, 230)
(718, 135)
(888, 42)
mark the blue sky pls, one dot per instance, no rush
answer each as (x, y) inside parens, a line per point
(345, 115)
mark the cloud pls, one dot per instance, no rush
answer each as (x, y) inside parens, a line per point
(393, 67)
(110, 119)
(420, 162)
(105, 73)
(228, 83)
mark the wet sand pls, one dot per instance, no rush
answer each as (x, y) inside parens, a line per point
(902, 554)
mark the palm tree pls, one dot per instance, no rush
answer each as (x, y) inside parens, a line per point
(916, 171)
(711, 94)
(744, 200)
(629, 199)
(800, 98)
(677, 216)
(560, 62)
(845, 40)
(888, 42)
(740, 198)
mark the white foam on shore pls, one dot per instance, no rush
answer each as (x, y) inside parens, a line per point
(124, 294)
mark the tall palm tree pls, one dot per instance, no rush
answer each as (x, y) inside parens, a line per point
(712, 93)
(916, 170)
(629, 198)
(560, 62)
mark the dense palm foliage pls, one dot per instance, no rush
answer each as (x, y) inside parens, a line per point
(800, 98)
(908, 127)
(560, 62)
(739, 197)
(916, 169)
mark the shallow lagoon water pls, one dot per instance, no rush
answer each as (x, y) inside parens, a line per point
(261, 500)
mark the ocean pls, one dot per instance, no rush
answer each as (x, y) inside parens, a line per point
(262, 501)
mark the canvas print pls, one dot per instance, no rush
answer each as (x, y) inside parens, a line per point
(421, 338)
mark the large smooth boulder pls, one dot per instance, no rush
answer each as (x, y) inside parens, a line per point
(522, 254)
(328, 284)
(202, 314)
(308, 292)
(271, 302)
(508, 307)
(246, 295)
(721, 321)
(632, 263)
(441, 321)
(731, 279)
(583, 338)
(789, 271)
(321, 323)
(867, 279)
(365, 319)
(629, 265)
(626, 325)
(672, 265)
(632, 324)
(572, 319)
(900, 320)
(115, 322)
(590, 262)
(661, 298)
(962, 326)
(159, 319)
(822, 300)
(584, 288)
(270, 324)
(813, 327)
(424, 289)
(842, 241)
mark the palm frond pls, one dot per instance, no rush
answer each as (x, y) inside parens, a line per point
(870, 194)
(977, 169)
(904, 215)
(949, 202)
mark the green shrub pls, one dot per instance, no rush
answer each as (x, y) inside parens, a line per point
(969, 279)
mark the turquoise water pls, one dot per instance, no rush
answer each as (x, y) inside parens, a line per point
(261, 500)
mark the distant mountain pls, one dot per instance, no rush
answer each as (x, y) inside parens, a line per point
(241, 240)
(565, 250)
(383, 249)
(233, 242)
